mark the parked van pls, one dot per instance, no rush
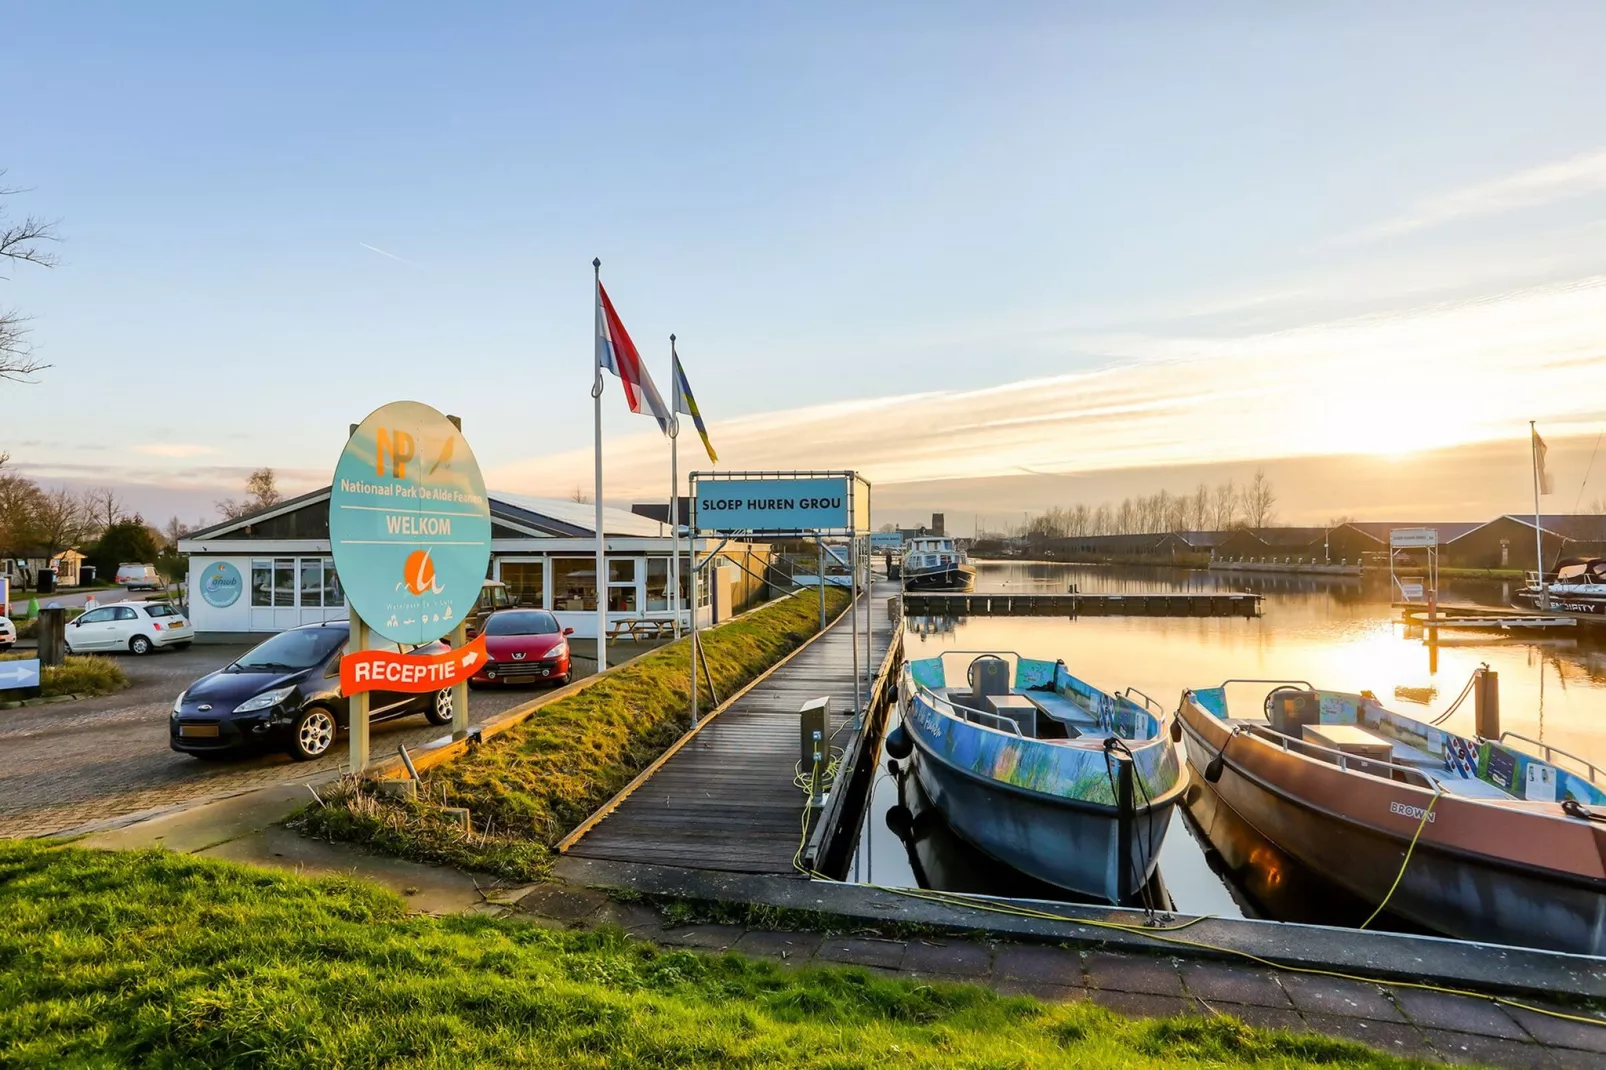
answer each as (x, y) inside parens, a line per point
(137, 577)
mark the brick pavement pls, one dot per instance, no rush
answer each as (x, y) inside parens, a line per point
(64, 765)
(1409, 1022)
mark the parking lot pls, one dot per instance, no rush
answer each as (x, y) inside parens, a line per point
(67, 764)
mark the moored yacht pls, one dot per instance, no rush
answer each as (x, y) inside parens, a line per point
(935, 563)
(1579, 586)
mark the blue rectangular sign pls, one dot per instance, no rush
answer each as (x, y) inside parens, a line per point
(773, 505)
(19, 674)
(886, 540)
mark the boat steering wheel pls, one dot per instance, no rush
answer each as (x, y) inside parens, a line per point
(1272, 695)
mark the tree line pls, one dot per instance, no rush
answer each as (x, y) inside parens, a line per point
(1219, 508)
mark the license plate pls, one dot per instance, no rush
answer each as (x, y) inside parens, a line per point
(176, 624)
(198, 731)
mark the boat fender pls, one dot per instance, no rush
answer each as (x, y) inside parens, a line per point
(899, 745)
(1219, 762)
(1176, 730)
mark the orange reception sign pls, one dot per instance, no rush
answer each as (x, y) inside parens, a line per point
(387, 670)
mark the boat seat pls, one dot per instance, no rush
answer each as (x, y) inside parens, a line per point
(1062, 709)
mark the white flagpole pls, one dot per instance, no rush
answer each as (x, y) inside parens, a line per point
(596, 397)
(674, 490)
(1539, 540)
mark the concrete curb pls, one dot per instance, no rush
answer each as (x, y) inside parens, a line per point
(1378, 956)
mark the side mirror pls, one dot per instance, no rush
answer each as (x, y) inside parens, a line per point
(568, 631)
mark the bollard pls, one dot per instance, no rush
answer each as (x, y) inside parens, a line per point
(1125, 807)
(1486, 705)
(52, 636)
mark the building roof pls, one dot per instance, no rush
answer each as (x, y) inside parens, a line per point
(1379, 529)
(1288, 536)
(557, 517)
(1574, 527)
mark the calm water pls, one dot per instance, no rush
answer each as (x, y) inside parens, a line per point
(1336, 632)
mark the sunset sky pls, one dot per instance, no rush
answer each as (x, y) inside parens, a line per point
(995, 260)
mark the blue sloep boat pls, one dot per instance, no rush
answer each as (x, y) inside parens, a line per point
(1028, 767)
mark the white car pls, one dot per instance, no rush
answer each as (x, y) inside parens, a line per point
(8, 634)
(138, 577)
(138, 627)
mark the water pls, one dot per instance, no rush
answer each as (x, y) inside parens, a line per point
(1336, 632)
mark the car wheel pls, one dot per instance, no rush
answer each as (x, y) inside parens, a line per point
(560, 681)
(140, 644)
(312, 734)
(440, 707)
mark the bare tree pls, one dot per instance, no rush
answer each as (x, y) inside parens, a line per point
(59, 521)
(174, 530)
(25, 241)
(103, 508)
(262, 492)
(1224, 506)
(1199, 508)
(1259, 499)
(579, 494)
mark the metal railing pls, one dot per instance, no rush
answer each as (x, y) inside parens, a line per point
(966, 713)
(1547, 751)
(1153, 705)
(1333, 756)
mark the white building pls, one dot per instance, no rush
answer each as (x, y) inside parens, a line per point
(272, 570)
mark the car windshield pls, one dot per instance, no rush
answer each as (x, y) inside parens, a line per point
(161, 610)
(521, 622)
(300, 648)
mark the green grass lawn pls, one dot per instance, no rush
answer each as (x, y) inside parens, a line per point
(150, 958)
(530, 785)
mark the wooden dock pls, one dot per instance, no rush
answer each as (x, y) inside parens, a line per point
(725, 799)
(1469, 615)
(1045, 604)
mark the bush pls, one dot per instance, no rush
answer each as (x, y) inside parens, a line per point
(83, 675)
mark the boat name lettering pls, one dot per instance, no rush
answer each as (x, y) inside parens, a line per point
(1414, 812)
(756, 504)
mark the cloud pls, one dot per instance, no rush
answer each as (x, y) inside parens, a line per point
(1435, 376)
(1525, 189)
(177, 450)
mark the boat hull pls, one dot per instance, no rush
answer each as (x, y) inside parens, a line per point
(1314, 813)
(1069, 844)
(951, 578)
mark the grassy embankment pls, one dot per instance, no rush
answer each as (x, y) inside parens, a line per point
(526, 788)
(83, 675)
(155, 959)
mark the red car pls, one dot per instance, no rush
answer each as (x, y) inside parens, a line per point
(526, 646)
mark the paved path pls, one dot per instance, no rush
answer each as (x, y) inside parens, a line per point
(63, 765)
(1402, 1021)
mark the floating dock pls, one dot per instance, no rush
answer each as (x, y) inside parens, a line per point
(723, 798)
(1469, 615)
(1043, 604)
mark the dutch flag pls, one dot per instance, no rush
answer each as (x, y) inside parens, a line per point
(617, 353)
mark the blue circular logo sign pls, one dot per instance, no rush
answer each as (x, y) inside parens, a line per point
(221, 585)
(409, 523)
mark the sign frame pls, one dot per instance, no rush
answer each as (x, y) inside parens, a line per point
(1400, 538)
(856, 510)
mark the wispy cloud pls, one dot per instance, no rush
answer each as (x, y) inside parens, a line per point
(392, 256)
(1525, 189)
(1439, 375)
(177, 450)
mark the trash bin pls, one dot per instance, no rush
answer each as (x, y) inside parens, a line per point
(86, 575)
(47, 581)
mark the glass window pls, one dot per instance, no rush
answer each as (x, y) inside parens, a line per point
(96, 616)
(525, 581)
(311, 581)
(333, 594)
(284, 581)
(621, 599)
(262, 583)
(574, 583)
(124, 613)
(657, 584)
(299, 648)
(522, 622)
(161, 609)
(622, 571)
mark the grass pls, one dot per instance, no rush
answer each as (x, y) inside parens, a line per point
(83, 675)
(533, 783)
(151, 958)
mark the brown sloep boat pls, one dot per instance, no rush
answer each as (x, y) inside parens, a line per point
(1508, 848)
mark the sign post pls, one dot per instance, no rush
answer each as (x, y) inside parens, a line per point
(786, 504)
(410, 532)
(1416, 538)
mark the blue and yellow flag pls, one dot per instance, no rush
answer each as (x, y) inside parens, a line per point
(681, 400)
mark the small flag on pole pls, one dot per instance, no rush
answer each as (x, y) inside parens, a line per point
(682, 401)
(617, 353)
(1541, 475)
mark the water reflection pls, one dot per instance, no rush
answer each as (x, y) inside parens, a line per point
(1335, 631)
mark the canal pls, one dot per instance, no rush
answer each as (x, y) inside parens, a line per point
(1337, 632)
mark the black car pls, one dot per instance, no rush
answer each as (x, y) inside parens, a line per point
(285, 693)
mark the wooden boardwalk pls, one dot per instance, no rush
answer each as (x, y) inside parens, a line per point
(725, 800)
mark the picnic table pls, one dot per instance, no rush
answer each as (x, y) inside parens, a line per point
(641, 628)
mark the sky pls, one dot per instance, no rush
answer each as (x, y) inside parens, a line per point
(996, 257)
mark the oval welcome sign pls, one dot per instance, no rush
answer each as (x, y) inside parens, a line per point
(409, 523)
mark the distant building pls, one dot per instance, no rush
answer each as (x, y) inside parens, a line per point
(1508, 541)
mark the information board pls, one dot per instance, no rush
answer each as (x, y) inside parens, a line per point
(1413, 537)
(772, 505)
(409, 523)
(886, 540)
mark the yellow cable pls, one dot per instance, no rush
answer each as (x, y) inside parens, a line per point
(1420, 825)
